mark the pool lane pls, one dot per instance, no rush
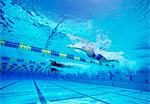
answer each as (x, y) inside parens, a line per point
(23, 92)
(62, 92)
(82, 94)
(112, 95)
(52, 92)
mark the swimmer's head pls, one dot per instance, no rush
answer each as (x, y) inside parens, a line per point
(88, 49)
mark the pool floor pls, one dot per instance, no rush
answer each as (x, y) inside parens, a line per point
(67, 92)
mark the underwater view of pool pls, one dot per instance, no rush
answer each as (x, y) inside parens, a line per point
(74, 51)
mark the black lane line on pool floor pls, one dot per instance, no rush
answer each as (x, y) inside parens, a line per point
(9, 85)
(41, 97)
(81, 93)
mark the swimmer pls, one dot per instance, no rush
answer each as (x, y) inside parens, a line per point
(54, 70)
(56, 64)
(92, 50)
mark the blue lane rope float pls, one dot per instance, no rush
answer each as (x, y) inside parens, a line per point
(19, 67)
(10, 64)
(53, 53)
(5, 58)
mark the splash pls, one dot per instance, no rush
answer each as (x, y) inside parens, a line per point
(102, 41)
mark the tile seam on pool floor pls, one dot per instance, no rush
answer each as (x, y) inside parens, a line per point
(76, 97)
(41, 97)
(99, 84)
(80, 93)
(67, 98)
(83, 96)
(109, 92)
(133, 97)
(9, 85)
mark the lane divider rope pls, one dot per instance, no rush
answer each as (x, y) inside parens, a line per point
(11, 59)
(53, 53)
(8, 63)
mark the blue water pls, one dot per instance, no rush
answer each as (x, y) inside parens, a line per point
(25, 75)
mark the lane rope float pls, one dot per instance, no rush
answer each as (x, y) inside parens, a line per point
(50, 52)
(9, 64)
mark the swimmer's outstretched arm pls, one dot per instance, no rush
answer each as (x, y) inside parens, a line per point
(75, 47)
(72, 37)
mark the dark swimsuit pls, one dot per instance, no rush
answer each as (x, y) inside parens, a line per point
(97, 57)
(93, 55)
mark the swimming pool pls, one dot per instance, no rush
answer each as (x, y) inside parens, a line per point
(73, 51)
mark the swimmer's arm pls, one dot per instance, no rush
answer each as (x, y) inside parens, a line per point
(72, 37)
(72, 46)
